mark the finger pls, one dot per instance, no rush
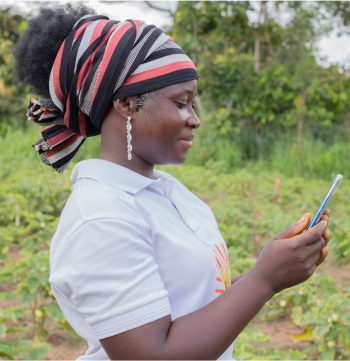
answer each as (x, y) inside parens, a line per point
(326, 218)
(324, 254)
(314, 259)
(312, 270)
(326, 236)
(311, 235)
(327, 212)
(316, 247)
(295, 228)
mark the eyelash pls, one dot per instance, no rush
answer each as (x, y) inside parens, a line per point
(183, 106)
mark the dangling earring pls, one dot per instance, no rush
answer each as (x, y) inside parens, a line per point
(128, 137)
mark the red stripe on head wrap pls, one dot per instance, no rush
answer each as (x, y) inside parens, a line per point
(60, 137)
(165, 69)
(84, 72)
(62, 146)
(137, 24)
(67, 114)
(82, 124)
(56, 74)
(112, 44)
(98, 30)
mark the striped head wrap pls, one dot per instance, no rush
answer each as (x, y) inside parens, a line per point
(99, 61)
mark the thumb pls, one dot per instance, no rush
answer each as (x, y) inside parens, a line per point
(295, 228)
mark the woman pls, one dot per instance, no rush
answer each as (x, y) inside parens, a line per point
(138, 265)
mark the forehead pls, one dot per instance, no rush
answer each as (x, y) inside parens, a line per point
(187, 87)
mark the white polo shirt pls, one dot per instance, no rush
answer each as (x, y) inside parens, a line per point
(129, 250)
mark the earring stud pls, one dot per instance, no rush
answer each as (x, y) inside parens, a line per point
(129, 137)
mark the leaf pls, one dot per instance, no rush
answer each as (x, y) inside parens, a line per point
(33, 284)
(327, 355)
(296, 355)
(306, 336)
(344, 337)
(2, 330)
(25, 345)
(4, 354)
(26, 296)
(54, 311)
(14, 329)
(320, 331)
(38, 353)
(297, 311)
(8, 348)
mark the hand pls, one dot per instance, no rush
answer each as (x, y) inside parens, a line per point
(291, 256)
(326, 236)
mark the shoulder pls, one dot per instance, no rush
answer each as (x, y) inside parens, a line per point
(99, 209)
(96, 200)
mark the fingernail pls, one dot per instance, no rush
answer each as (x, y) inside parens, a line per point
(324, 221)
(301, 220)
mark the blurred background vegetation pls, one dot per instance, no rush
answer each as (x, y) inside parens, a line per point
(263, 97)
(275, 132)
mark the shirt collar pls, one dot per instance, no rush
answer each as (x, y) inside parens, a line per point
(112, 174)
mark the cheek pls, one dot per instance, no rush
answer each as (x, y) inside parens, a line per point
(165, 126)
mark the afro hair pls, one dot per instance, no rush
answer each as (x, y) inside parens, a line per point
(36, 50)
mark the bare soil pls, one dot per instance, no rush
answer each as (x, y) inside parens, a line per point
(64, 348)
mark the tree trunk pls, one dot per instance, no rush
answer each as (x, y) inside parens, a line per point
(257, 52)
(263, 17)
(301, 124)
(300, 133)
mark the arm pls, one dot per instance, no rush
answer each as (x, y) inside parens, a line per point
(236, 278)
(203, 334)
(208, 332)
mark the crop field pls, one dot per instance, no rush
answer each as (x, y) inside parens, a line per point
(308, 321)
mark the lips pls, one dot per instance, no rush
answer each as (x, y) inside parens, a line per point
(187, 141)
(189, 138)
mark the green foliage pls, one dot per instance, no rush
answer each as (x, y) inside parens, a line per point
(246, 347)
(29, 212)
(14, 97)
(260, 80)
(322, 307)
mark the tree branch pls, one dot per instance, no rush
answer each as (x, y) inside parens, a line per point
(111, 2)
(160, 9)
(168, 10)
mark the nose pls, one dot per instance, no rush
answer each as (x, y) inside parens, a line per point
(193, 121)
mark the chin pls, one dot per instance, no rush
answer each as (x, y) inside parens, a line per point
(178, 160)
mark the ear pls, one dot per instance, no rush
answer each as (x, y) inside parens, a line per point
(125, 106)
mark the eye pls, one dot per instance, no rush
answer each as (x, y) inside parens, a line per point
(181, 106)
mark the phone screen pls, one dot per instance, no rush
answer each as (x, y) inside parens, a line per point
(326, 200)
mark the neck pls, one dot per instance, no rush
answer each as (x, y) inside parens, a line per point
(114, 149)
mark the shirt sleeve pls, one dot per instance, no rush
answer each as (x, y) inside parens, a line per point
(108, 267)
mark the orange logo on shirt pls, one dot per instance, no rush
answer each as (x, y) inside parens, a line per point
(223, 265)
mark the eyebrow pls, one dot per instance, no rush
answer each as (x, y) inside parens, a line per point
(189, 91)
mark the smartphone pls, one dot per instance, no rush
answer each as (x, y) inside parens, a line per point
(326, 200)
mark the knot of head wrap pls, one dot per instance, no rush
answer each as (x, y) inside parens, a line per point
(99, 61)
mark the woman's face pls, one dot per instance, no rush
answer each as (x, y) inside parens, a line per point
(163, 129)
